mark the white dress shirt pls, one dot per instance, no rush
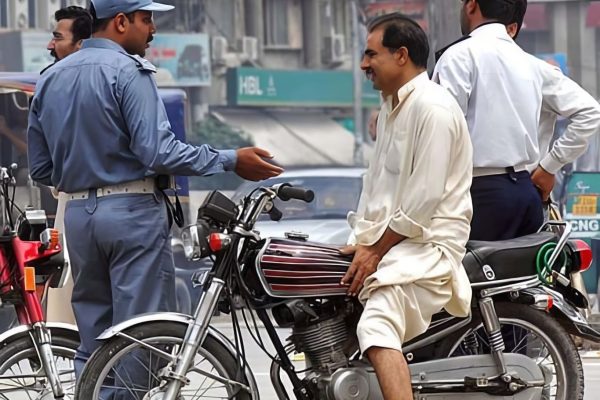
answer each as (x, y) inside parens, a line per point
(499, 88)
(417, 184)
(563, 97)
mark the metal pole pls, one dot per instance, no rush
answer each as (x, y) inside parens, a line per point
(357, 84)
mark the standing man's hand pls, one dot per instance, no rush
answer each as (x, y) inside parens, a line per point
(543, 181)
(252, 166)
(364, 264)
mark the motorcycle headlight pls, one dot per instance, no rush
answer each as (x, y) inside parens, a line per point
(191, 243)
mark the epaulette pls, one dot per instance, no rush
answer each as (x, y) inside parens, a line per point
(47, 68)
(438, 54)
(142, 63)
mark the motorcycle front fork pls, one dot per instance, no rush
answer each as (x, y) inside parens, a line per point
(43, 345)
(194, 337)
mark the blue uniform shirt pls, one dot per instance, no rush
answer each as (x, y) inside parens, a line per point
(97, 119)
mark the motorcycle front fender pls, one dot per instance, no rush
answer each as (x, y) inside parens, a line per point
(184, 320)
(569, 317)
(58, 328)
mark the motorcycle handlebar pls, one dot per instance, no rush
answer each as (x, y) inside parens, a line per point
(287, 192)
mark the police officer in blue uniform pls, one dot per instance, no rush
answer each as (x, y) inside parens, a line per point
(99, 132)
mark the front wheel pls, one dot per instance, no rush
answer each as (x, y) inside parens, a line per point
(22, 375)
(533, 333)
(125, 369)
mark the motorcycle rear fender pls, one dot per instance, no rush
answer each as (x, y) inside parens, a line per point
(184, 320)
(569, 317)
(58, 328)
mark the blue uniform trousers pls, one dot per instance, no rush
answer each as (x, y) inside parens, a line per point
(120, 253)
(505, 206)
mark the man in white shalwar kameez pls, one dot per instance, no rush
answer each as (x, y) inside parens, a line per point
(412, 223)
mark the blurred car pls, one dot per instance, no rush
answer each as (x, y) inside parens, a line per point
(337, 191)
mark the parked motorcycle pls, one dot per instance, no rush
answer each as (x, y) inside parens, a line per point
(514, 345)
(36, 357)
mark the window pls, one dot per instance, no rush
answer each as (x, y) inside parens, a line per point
(32, 13)
(3, 13)
(277, 23)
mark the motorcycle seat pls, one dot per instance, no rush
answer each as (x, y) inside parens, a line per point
(500, 262)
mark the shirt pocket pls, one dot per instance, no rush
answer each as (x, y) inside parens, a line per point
(394, 155)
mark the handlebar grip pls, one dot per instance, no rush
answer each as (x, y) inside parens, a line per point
(287, 192)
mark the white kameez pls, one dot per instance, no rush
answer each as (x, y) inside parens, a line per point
(418, 185)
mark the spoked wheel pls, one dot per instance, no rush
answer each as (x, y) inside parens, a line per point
(22, 376)
(537, 335)
(125, 369)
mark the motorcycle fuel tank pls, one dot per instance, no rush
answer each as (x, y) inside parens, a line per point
(297, 268)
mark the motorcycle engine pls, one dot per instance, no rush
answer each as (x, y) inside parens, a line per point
(321, 330)
(325, 331)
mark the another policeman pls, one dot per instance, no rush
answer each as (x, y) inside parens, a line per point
(499, 88)
(99, 132)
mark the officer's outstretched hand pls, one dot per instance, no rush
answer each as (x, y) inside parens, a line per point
(252, 166)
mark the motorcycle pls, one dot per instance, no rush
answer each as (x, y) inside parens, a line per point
(514, 344)
(36, 357)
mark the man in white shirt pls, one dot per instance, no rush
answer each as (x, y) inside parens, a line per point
(410, 230)
(499, 88)
(560, 97)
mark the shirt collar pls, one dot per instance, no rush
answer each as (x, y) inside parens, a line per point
(408, 88)
(101, 43)
(494, 29)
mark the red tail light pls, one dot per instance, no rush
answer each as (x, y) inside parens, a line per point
(218, 241)
(582, 252)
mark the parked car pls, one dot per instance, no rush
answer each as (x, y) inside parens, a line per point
(337, 191)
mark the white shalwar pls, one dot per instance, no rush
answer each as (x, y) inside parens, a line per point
(418, 185)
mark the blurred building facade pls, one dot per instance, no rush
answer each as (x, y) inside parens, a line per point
(282, 68)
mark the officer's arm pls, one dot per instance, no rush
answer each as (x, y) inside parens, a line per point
(566, 98)
(38, 154)
(152, 139)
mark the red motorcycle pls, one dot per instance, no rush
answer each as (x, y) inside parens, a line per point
(36, 357)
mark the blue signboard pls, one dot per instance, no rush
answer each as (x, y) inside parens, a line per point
(184, 58)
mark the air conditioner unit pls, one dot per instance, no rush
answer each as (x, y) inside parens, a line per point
(248, 47)
(45, 14)
(219, 49)
(18, 14)
(80, 3)
(334, 48)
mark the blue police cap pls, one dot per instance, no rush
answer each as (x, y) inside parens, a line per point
(110, 8)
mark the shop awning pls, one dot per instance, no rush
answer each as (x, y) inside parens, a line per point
(295, 138)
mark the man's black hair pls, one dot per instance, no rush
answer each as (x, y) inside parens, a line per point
(401, 31)
(502, 11)
(82, 21)
(519, 15)
(101, 24)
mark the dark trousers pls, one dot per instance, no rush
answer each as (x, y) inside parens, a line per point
(120, 253)
(505, 206)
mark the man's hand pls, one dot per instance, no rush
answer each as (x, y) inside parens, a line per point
(543, 181)
(251, 166)
(364, 264)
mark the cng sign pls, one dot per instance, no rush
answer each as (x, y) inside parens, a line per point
(585, 225)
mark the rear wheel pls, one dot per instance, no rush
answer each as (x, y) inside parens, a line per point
(128, 370)
(22, 376)
(533, 333)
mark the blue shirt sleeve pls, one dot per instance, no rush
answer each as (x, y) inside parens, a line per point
(152, 139)
(38, 154)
